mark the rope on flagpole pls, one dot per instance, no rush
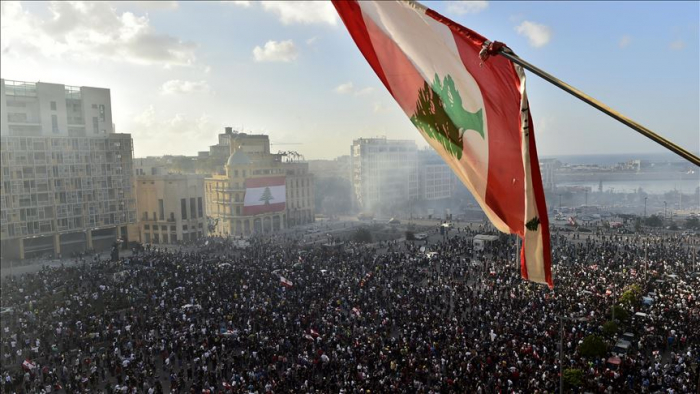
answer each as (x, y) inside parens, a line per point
(493, 48)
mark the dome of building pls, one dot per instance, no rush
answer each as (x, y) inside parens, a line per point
(238, 158)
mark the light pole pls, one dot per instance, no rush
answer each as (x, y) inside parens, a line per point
(664, 210)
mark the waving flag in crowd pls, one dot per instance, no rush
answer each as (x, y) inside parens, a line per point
(472, 110)
(286, 282)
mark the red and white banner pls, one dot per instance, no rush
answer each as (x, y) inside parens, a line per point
(473, 112)
(286, 282)
(264, 195)
(28, 365)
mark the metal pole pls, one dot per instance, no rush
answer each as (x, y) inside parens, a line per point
(602, 107)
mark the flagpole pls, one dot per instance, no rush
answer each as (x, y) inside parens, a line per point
(601, 107)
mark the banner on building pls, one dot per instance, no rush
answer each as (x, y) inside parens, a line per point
(263, 195)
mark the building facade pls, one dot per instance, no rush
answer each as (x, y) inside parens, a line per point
(66, 176)
(250, 163)
(384, 173)
(171, 208)
(437, 180)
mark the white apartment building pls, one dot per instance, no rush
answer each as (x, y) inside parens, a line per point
(437, 180)
(66, 176)
(384, 173)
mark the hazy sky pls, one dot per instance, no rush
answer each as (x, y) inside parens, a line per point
(181, 71)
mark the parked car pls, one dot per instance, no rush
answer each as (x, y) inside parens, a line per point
(621, 347)
(421, 236)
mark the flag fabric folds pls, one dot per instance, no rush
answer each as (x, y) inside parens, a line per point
(473, 112)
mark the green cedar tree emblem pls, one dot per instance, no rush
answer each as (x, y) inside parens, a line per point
(266, 196)
(440, 115)
(533, 224)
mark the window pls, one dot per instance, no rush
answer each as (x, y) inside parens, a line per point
(54, 123)
(102, 112)
(193, 208)
(200, 210)
(161, 210)
(53, 106)
(183, 208)
(95, 126)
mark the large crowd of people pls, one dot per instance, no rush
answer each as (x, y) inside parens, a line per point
(397, 316)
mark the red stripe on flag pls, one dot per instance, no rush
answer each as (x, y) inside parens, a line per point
(541, 202)
(257, 209)
(264, 182)
(351, 15)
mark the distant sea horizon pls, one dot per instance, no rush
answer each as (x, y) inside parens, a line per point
(614, 158)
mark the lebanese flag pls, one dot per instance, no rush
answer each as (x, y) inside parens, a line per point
(474, 113)
(286, 282)
(28, 365)
(264, 195)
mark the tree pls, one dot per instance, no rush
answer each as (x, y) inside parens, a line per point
(654, 221)
(593, 346)
(638, 225)
(573, 377)
(410, 236)
(621, 313)
(692, 223)
(362, 235)
(610, 328)
(631, 296)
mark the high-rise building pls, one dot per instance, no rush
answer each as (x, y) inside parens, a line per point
(547, 169)
(66, 176)
(171, 208)
(437, 180)
(384, 173)
(260, 192)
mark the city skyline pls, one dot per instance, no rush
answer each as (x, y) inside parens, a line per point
(291, 70)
